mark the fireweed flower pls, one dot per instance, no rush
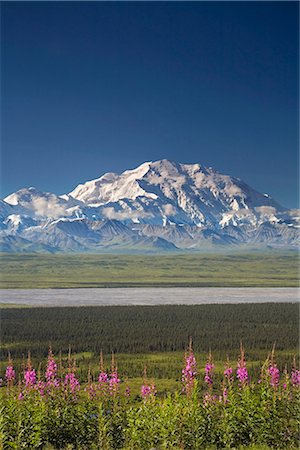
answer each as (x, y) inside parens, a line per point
(242, 372)
(29, 377)
(51, 371)
(91, 390)
(295, 377)
(103, 380)
(274, 375)
(40, 387)
(114, 383)
(103, 377)
(228, 373)
(71, 383)
(189, 372)
(29, 374)
(127, 391)
(10, 374)
(148, 391)
(208, 371)
(225, 395)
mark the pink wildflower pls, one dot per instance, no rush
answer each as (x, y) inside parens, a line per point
(10, 374)
(20, 396)
(148, 391)
(242, 372)
(91, 390)
(29, 377)
(71, 382)
(103, 381)
(29, 374)
(295, 377)
(208, 372)
(114, 382)
(51, 371)
(103, 377)
(189, 372)
(228, 373)
(274, 375)
(40, 386)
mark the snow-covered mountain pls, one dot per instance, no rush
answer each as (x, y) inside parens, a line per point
(160, 205)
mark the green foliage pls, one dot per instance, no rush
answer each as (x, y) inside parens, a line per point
(245, 420)
(70, 423)
(22, 423)
(256, 415)
(274, 268)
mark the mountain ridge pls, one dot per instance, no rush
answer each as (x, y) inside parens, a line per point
(161, 205)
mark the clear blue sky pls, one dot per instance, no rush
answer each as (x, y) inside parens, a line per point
(90, 87)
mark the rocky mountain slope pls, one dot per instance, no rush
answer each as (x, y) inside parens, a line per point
(159, 206)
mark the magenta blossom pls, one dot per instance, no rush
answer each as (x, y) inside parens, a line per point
(91, 390)
(40, 387)
(225, 395)
(295, 377)
(114, 382)
(103, 377)
(72, 383)
(189, 373)
(242, 374)
(208, 373)
(274, 374)
(127, 391)
(228, 373)
(51, 371)
(10, 374)
(103, 381)
(148, 391)
(29, 377)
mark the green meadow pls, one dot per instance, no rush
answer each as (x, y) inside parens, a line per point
(269, 269)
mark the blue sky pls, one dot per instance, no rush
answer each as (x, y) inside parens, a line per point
(91, 87)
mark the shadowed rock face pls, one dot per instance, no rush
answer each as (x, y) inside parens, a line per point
(159, 206)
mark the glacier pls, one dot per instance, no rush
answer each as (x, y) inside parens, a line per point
(158, 206)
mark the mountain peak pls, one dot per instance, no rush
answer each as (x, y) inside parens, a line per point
(165, 202)
(23, 195)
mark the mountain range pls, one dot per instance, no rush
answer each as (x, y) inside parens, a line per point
(159, 206)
